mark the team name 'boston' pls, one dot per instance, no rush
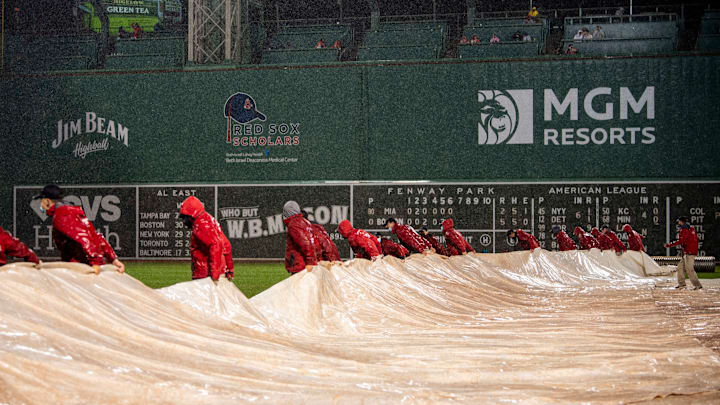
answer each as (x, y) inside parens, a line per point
(93, 125)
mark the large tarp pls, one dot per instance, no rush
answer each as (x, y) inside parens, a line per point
(540, 327)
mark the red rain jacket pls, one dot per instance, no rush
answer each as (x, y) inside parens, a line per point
(435, 243)
(76, 238)
(329, 250)
(616, 243)
(11, 246)
(364, 245)
(565, 242)
(410, 239)
(603, 240)
(634, 239)
(527, 241)
(688, 240)
(301, 249)
(587, 241)
(456, 243)
(210, 250)
(390, 248)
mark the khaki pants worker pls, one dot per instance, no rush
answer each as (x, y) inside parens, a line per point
(687, 265)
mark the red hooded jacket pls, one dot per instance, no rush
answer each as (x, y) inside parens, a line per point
(210, 249)
(435, 243)
(390, 248)
(410, 239)
(11, 246)
(364, 245)
(688, 240)
(527, 241)
(301, 249)
(615, 242)
(565, 242)
(587, 241)
(329, 250)
(634, 239)
(76, 238)
(456, 243)
(603, 240)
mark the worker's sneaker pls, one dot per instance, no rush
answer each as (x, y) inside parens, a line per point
(679, 287)
(697, 288)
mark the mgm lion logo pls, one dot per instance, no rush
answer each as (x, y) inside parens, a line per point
(505, 117)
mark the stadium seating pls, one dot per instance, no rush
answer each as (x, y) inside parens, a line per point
(709, 36)
(636, 34)
(405, 40)
(151, 52)
(24, 55)
(501, 50)
(297, 44)
(504, 28)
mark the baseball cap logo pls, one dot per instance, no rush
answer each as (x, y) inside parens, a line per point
(505, 117)
(241, 108)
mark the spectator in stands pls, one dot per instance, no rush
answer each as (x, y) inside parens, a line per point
(301, 252)
(364, 245)
(527, 241)
(74, 235)
(528, 20)
(571, 50)
(598, 33)
(320, 44)
(578, 36)
(617, 244)
(210, 249)
(517, 36)
(689, 242)
(137, 31)
(11, 246)
(533, 13)
(455, 241)
(390, 248)
(464, 40)
(586, 34)
(558, 50)
(439, 247)
(408, 237)
(635, 240)
(337, 44)
(620, 11)
(564, 241)
(494, 39)
(122, 34)
(327, 248)
(526, 37)
(475, 40)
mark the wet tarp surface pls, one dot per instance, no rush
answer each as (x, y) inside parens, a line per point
(540, 327)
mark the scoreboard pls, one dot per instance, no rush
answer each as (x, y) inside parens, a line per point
(141, 222)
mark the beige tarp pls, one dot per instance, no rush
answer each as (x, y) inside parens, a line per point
(540, 327)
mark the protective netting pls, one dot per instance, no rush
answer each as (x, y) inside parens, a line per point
(540, 327)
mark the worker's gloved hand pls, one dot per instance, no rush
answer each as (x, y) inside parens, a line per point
(230, 275)
(667, 245)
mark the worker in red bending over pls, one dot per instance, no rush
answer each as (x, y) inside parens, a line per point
(586, 240)
(527, 241)
(390, 248)
(74, 235)
(689, 241)
(564, 241)
(434, 242)
(456, 243)
(210, 249)
(301, 250)
(328, 250)
(603, 240)
(364, 245)
(635, 240)
(11, 246)
(616, 243)
(408, 237)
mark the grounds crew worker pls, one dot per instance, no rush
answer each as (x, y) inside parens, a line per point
(210, 250)
(527, 241)
(615, 242)
(634, 239)
(689, 242)
(328, 249)
(301, 250)
(408, 237)
(390, 248)
(364, 245)
(73, 234)
(586, 240)
(455, 241)
(434, 242)
(564, 241)
(11, 246)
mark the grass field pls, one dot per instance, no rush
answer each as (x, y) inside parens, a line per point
(250, 278)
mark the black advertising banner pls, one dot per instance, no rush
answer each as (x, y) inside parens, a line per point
(251, 216)
(111, 209)
(140, 221)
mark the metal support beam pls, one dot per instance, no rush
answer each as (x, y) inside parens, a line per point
(219, 31)
(470, 12)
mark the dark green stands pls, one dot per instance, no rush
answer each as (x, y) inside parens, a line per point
(709, 37)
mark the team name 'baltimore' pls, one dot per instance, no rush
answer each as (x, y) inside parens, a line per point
(270, 135)
(93, 125)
